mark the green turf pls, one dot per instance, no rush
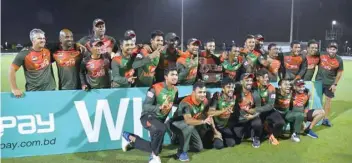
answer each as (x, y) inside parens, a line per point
(333, 145)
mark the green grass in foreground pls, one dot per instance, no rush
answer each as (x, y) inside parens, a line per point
(333, 145)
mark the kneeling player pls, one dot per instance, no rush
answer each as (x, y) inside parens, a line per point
(300, 101)
(157, 105)
(191, 123)
(221, 107)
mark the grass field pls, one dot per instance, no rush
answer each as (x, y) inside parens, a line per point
(333, 145)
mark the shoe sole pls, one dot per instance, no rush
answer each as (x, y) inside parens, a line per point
(184, 160)
(255, 146)
(312, 136)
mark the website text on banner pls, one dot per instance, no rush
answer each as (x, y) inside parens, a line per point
(56, 122)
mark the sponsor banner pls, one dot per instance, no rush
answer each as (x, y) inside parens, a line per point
(57, 122)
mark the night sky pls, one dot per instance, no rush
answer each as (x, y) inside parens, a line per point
(224, 20)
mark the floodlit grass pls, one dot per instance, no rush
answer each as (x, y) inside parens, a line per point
(333, 145)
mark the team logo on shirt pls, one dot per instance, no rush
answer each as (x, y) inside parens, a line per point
(34, 58)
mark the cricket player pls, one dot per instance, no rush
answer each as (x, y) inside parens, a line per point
(221, 108)
(36, 63)
(247, 111)
(271, 62)
(313, 59)
(68, 61)
(110, 45)
(122, 71)
(94, 72)
(259, 44)
(283, 106)
(232, 64)
(300, 103)
(192, 124)
(329, 73)
(250, 63)
(293, 64)
(272, 120)
(187, 63)
(146, 62)
(157, 105)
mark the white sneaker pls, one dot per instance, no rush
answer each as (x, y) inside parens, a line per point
(156, 159)
(295, 138)
(125, 147)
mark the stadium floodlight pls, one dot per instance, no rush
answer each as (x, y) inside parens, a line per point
(333, 23)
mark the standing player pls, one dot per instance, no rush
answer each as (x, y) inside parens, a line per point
(191, 122)
(68, 62)
(272, 119)
(95, 68)
(36, 63)
(122, 71)
(271, 62)
(250, 55)
(300, 103)
(168, 56)
(210, 69)
(247, 111)
(147, 61)
(259, 44)
(110, 46)
(187, 64)
(283, 106)
(293, 65)
(233, 63)
(157, 105)
(221, 108)
(329, 72)
(312, 59)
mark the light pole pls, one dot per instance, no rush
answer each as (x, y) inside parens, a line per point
(332, 25)
(182, 25)
(291, 29)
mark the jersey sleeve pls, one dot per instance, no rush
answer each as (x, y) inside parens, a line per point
(19, 59)
(150, 101)
(117, 77)
(303, 67)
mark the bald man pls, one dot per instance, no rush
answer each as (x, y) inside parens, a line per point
(68, 61)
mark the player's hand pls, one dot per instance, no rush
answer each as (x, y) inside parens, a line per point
(251, 111)
(82, 48)
(155, 54)
(208, 121)
(229, 109)
(131, 79)
(333, 88)
(17, 92)
(249, 116)
(85, 87)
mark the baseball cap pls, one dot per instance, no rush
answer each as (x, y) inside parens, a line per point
(130, 33)
(98, 21)
(259, 37)
(247, 75)
(333, 44)
(298, 82)
(171, 36)
(99, 43)
(194, 41)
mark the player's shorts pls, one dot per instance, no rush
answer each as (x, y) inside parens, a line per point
(327, 92)
(312, 113)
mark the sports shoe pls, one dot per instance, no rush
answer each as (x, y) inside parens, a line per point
(183, 157)
(326, 122)
(295, 138)
(154, 159)
(126, 135)
(127, 147)
(310, 133)
(273, 140)
(256, 142)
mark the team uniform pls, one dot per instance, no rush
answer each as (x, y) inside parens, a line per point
(121, 70)
(37, 69)
(68, 65)
(312, 61)
(109, 42)
(250, 63)
(167, 58)
(95, 72)
(146, 68)
(210, 69)
(272, 67)
(292, 66)
(328, 68)
(218, 102)
(187, 75)
(231, 67)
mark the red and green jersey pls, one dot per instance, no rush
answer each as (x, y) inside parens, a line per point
(219, 102)
(95, 72)
(267, 96)
(68, 64)
(294, 66)
(328, 68)
(273, 66)
(146, 68)
(189, 105)
(121, 71)
(312, 61)
(109, 42)
(157, 95)
(282, 102)
(250, 63)
(37, 69)
(300, 101)
(167, 57)
(187, 74)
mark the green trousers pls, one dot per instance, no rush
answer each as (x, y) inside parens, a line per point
(188, 135)
(295, 118)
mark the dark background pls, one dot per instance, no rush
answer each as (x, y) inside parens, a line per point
(224, 20)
